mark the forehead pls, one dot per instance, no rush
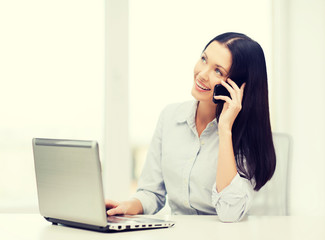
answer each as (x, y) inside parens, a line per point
(219, 54)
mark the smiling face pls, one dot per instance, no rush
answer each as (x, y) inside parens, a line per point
(213, 66)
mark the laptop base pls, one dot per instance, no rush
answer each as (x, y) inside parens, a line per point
(109, 228)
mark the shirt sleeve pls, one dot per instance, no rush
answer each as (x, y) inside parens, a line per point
(151, 188)
(233, 202)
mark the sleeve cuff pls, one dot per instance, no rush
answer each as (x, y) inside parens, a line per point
(149, 207)
(236, 190)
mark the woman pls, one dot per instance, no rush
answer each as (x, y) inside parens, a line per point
(209, 158)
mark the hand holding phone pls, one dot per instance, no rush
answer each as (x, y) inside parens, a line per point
(221, 90)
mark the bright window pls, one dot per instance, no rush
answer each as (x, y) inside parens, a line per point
(52, 85)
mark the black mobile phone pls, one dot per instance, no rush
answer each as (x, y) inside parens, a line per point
(219, 90)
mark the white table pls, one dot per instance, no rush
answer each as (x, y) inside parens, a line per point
(33, 226)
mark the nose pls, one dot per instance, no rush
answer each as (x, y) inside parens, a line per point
(204, 74)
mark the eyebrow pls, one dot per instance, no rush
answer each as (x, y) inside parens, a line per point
(215, 64)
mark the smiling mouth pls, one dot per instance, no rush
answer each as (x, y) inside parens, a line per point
(201, 86)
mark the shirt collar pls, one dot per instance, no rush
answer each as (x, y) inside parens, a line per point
(188, 112)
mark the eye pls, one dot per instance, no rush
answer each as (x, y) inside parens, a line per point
(218, 72)
(203, 59)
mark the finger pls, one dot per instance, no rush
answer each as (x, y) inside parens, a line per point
(242, 88)
(227, 86)
(238, 91)
(225, 107)
(231, 91)
(112, 212)
(115, 211)
(233, 84)
(224, 98)
(111, 204)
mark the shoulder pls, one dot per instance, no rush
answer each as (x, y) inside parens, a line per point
(178, 111)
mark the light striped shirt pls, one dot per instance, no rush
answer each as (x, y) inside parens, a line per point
(183, 165)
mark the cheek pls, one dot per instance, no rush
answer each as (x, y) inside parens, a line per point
(215, 81)
(196, 69)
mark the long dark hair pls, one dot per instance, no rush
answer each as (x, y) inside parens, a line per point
(251, 131)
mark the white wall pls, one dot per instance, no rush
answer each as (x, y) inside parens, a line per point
(52, 60)
(299, 93)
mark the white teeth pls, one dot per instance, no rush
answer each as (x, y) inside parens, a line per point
(197, 82)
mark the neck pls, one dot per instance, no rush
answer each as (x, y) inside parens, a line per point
(205, 113)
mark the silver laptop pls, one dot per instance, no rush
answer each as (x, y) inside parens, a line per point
(70, 189)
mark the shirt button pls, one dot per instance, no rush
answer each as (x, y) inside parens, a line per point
(202, 142)
(186, 204)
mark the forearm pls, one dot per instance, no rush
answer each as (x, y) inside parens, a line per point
(226, 167)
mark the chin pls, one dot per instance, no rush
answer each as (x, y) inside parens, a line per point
(199, 96)
(195, 94)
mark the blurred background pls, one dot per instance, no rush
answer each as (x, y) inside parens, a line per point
(104, 70)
